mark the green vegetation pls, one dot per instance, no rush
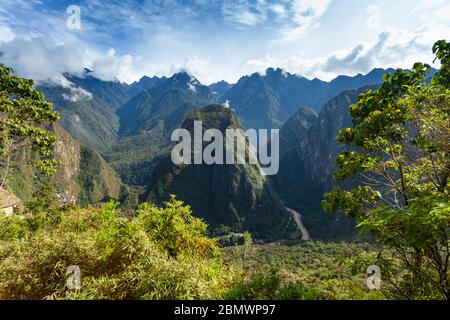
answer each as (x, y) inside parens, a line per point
(24, 115)
(97, 180)
(402, 134)
(296, 127)
(234, 195)
(399, 144)
(161, 254)
(37, 154)
(89, 120)
(306, 271)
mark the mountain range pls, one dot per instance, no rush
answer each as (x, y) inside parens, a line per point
(267, 101)
(129, 127)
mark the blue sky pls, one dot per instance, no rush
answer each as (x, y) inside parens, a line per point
(218, 39)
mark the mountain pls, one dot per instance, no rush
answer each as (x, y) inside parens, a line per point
(88, 119)
(218, 89)
(307, 167)
(267, 101)
(92, 179)
(235, 196)
(143, 84)
(296, 127)
(112, 94)
(82, 177)
(147, 121)
(169, 102)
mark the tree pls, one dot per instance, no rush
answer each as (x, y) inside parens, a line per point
(402, 136)
(24, 118)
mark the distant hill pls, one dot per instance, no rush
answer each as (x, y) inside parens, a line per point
(307, 166)
(130, 125)
(169, 101)
(91, 121)
(82, 177)
(143, 84)
(147, 121)
(112, 93)
(133, 135)
(296, 127)
(236, 197)
(218, 89)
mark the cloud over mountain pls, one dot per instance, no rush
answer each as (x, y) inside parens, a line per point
(45, 60)
(217, 39)
(392, 47)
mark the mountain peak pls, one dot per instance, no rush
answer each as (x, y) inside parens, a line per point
(182, 75)
(184, 79)
(277, 71)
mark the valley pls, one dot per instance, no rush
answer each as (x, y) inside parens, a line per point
(130, 126)
(92, 176)
(259, 150)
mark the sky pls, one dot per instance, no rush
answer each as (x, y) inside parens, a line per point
(216, 40)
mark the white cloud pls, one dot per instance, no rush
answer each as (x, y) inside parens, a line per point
(392, 48)
(164, 47)
(77, 118)
(244, 13)
(428, 4)
(44, 60)
(226, 104)
(279, 10)
(305, 15)
(192, 84)
(110, 67)
(75, 94)
(6, 34)
(199, 68)
(296, 17)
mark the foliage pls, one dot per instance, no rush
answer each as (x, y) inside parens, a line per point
(119, 258)
(24, 115)
(174, 229)
(306, 271)
(269, 286)
(89, 120)
(97, 180)
(260, 286)
(43, 199)
(401, 132)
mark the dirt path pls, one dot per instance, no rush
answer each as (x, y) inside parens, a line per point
(298, 219)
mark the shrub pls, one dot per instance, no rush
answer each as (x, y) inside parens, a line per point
(119, 258)
(260, 286)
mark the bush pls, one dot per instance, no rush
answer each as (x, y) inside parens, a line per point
(12, 227)
(271, 286)
(175, 230)
(258, 287)
(119, 258)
